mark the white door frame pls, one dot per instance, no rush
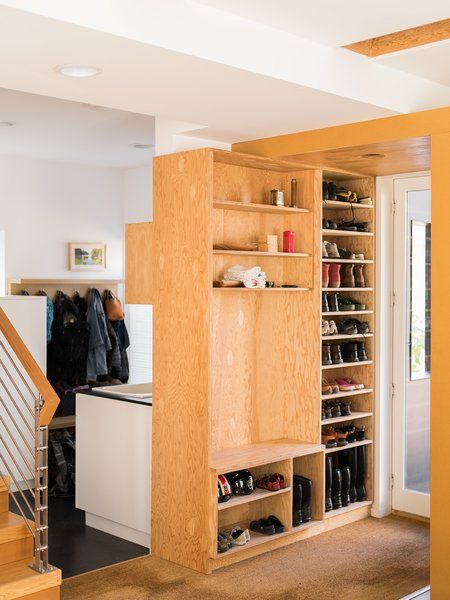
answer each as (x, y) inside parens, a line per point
(408, 501)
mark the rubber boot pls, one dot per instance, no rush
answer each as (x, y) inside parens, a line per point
(361, 474)
(334, 275)
(328, 481)
(336, 489)
(353, 464)
(296, 502)
(347, 277)
(307, 490)
(325, 274)
(326, 354)
(359, 276)
(345, 495)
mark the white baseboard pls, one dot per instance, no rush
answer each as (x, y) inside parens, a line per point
(122, 531)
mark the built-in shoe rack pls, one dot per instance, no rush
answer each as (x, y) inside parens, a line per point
(237, 371)
(357, 456)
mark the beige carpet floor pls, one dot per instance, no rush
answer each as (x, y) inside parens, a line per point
(374, 559)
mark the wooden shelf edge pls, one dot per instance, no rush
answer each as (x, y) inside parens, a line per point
(61, 422)
(345, 365)
(344, 233)
(346, 509)
(347, 312)
(355, 415)
(346, 289)
(356, 261)
(258, 494)
(353, 336)
(258, 207)
(347, 446)
(344, 394)
(257, 253)
(278, 289)
(336, 204)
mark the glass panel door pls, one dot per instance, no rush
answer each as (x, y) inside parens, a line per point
(411, 344)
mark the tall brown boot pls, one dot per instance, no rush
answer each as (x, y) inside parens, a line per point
(347, 277)
(359, 276)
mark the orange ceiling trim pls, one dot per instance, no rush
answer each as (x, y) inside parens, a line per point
(402, 40)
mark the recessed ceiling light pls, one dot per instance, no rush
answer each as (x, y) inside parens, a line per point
(142, 146)
(77, 70)
(373, 155)
(7, 123)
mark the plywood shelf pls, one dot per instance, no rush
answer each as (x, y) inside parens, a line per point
(353, 336)
(346, 313)
(354, 415)
(257, 253)
(254, 497)
(62, 422)
(337, 205)
(253, 455)
(348, 289)
(347, 446)
(255, 207)
(244, 289)
(347, 509)
(360, 363)
(345, 394)
(353, 261)
(343, 233)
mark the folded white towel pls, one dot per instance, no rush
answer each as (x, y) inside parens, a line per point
(253, 277)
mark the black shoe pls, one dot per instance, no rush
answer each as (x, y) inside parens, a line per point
(307, 491)
(347, 327)
(346, 303)
(362, 327)
(350, 352)
(336, 409)
(336, 355)
(336, 489)
(361, 493)
(325, 195)
(332, 191)
(325, 305)
(361, 348)
(296, 503)
(326, 354)
(347, 254)
(333, 302)
(345, 408)
(328, 482)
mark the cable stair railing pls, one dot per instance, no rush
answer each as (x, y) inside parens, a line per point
(27, 404)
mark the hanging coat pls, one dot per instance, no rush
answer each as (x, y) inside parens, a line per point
(99, 342)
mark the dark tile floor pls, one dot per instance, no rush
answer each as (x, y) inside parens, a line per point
(76, 548)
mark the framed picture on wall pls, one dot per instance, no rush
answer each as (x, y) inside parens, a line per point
(87, 256)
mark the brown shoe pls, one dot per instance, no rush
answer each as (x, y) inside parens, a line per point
(359, 276)
(347, 277)
(334, 277)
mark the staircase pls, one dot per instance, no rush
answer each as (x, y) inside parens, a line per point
(27, 404)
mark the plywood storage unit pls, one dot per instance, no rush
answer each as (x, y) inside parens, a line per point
(237, 371)
(362, 401)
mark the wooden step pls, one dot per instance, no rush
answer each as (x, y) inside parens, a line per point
(16, 541)
(4, 495)
(17, 580)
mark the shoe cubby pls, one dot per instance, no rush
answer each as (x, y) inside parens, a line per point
(237, 370)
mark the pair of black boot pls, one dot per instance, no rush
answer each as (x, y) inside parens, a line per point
(301, 500)
(345, 478)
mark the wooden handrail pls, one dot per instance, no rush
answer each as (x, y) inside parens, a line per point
(33, 370)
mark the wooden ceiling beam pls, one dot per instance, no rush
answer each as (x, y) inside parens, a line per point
(402, 40)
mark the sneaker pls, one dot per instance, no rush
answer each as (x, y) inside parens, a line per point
(351, 301)
(222, 542)
(331, 249)
(325, 327)
(346, 304)
(324, 250)
(346, 254)
(361, 326)
(348, 327)
(367, 200)
(333, 328)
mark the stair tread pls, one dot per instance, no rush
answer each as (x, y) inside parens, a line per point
(17, 579)
(13, 527)
(3, 486)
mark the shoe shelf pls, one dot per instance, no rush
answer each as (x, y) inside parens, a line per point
(347, 312)
(345, 394)
(255, 207)
(348, 364)
(258, 494)
(352, 445)
(262, 453)
(348, 289)
(265, 290)
(256, 538)
(352, 336)
(337, 205)
(347, 509)
(354, 415)
(343, 233)
(256, 253)
(354, 261)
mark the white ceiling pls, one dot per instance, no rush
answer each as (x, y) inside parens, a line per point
(337, 22)
(235, 78)
(431, 61)
(73, 132)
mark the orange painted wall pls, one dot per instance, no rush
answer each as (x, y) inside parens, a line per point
(435, 123)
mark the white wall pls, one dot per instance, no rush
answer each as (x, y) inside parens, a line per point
(137, 194)
(45, 205)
